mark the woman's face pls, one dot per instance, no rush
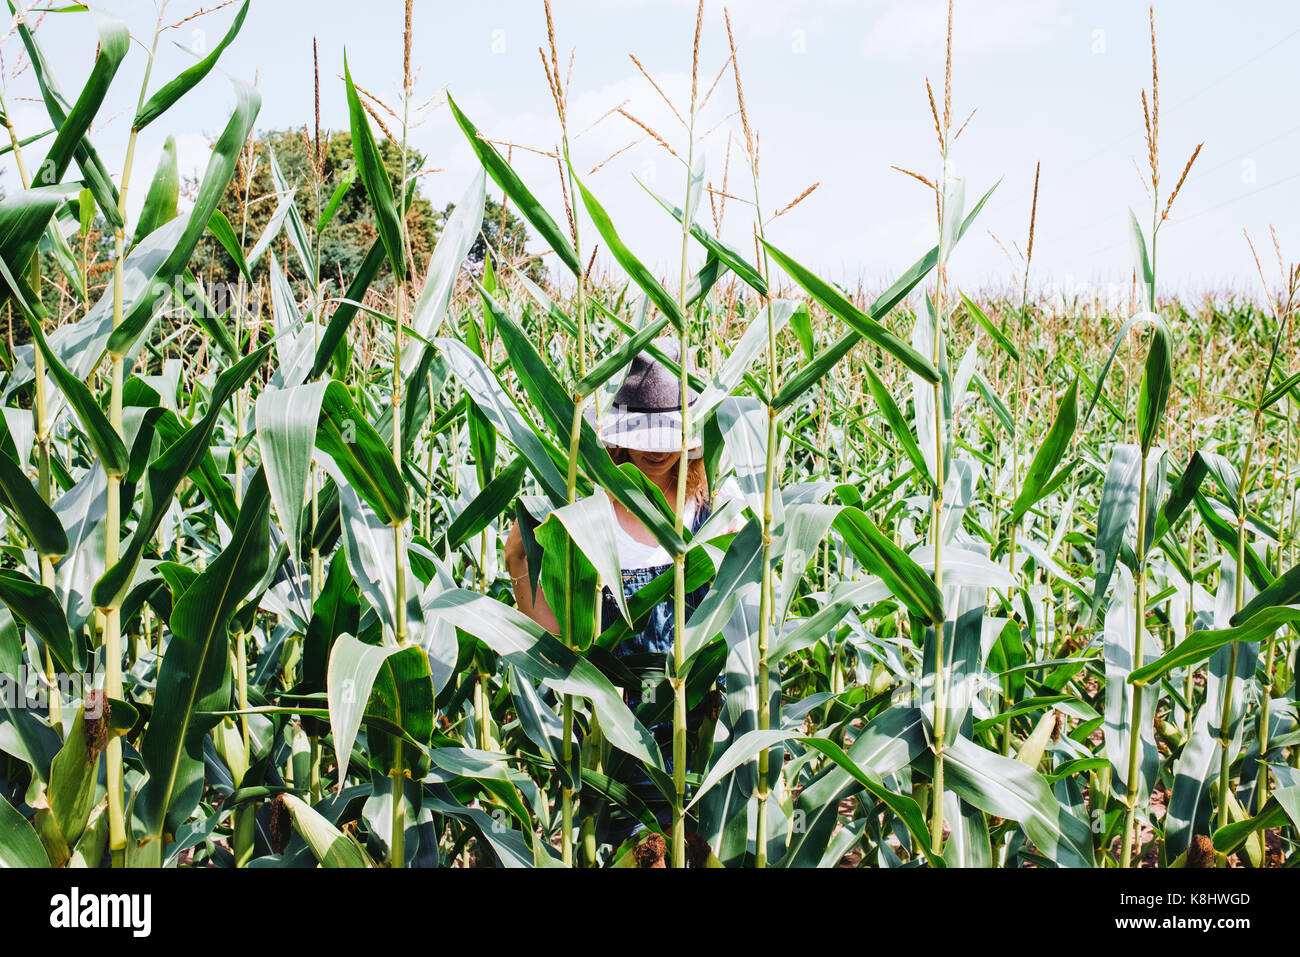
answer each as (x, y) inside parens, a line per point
(655, 465)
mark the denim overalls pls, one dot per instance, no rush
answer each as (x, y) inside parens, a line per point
(646, 654)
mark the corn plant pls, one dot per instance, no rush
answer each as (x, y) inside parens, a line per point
(1012, 583)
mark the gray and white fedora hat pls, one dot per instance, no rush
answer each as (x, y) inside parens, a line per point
(646, 413)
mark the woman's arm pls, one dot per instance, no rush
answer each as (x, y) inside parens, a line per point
(531, 604)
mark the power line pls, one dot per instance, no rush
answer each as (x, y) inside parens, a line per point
(1197, 176)
(1237, 199)
(1182, 103)
(1211, 209)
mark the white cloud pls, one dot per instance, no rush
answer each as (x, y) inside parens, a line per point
(909, 27)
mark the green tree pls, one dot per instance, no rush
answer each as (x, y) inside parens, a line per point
(250, 203)
(507, 234)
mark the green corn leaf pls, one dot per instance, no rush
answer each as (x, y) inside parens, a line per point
(164, 475)
(558, 410)
(221, 166)
(19, 845)
(86, 211)
(618, 793)
(903, 806)
(525, 645)
(286, 421)
(24, 216)
(174, 89)
(627, 259)
(897, 423)
(543, 726)
(330, 846)
(621, 357)
(753, 343)
(737, 576)
(699, 572)
(100, 433)
(391, 682)
(1119, 497)
(592, 527)
(374, 177)
(114, 39)
(337, 328)
(295, 229)
(39, 608)
(1181, 494)
(1007, 788)
(1129, 323)
(1274, 395)
(888, 742)
(744, 749)
(716, 247)
(1119, 644)
(1285, 590)
(455, 241)
(93, 171)
(194, 675)
(569, 583)
(1225, 533)
(336, 611)
(164, 192)
(27, 141)
(275, 225)
(994, 332)
(67, 262)
(827, 359)
(866, 326)
(220, 228)
(812, 373)
(881, 556)
(1143, 261)
(25, 505)
(346, 435)
(698, 286)
(801, 323)
(1153, 394)
(995, 403)
(206, 316)
(345, 184)
(495, 403)
(1282, 807)
(1049, 454)
(486, 506)
(519, 194)
(335, 333)
(1199, 645)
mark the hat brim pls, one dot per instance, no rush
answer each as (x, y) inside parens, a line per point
(647, 432)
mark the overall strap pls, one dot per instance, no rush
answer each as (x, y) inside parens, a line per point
(702, 513)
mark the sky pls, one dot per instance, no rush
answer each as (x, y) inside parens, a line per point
(835, 90)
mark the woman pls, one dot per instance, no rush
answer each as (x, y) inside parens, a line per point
(643, 427)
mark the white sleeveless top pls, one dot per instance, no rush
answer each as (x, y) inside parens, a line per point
(633, 554)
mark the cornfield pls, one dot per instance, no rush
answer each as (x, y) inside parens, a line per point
(1006, 584)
